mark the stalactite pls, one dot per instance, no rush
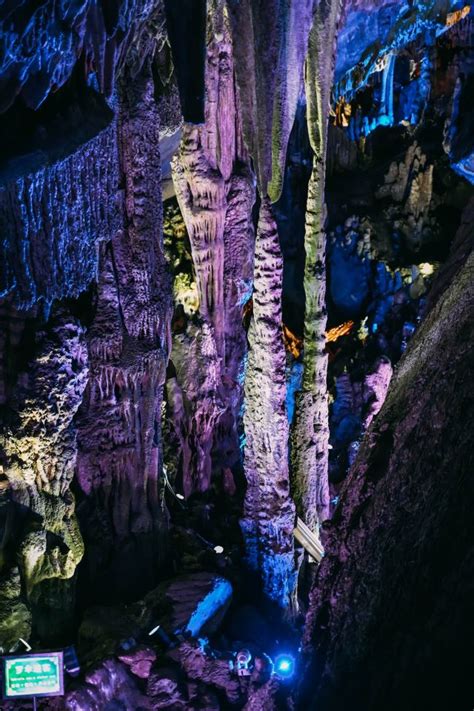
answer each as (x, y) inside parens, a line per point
(270, 41)
(311, 429)
(40, 46)
(269, 513)
(386, 107)
(53, 219)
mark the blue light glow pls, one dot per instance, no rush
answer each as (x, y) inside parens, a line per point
(284, 666)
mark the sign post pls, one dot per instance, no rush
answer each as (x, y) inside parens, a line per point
(33, 675)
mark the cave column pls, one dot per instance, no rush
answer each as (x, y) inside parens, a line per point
(311, 426)
(269, 512)
(119, 438)
(215, 188)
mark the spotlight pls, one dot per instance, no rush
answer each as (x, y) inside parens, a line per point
(285, 666)
(26, 645)
(180, 497)
(218, 549)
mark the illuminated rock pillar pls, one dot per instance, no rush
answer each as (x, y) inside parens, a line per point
(215, 188)
(269, 512)
(311, 424)
(119, 463)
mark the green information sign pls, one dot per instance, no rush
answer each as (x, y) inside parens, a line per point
(33, 675)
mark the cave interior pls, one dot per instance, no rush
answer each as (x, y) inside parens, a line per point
(236, 354)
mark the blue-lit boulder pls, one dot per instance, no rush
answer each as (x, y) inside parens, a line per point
(200, 602)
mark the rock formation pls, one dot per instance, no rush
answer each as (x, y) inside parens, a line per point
(42, 543)
(269, 513)
(119, 464)
(235, 292)
(311, 427)
(387, 588)
(215, 189)
(270, 46)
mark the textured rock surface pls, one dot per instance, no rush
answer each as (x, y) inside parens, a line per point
(270, 41)
(458, 135)
(269, 513)
(40, 44)
(215, 189)
(52, 221)
(55, 220)
(109, 686)
(389, 616)
(38, 441)
(119, 464)
(311, 425)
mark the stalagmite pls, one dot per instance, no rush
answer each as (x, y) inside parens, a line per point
(311, 427)
(269, 513)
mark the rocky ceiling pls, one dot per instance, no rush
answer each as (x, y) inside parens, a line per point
(236, 354)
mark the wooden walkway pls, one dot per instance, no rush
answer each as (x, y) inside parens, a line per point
(309, 541)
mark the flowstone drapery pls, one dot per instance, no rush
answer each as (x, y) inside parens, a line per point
(216, 192)
(119, 464)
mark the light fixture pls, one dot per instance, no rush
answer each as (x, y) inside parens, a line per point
(284, 666)
(218, 549)
(27, 646)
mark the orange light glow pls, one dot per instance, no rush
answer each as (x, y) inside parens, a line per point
(334, 333)
(453, 17)
(293, 344)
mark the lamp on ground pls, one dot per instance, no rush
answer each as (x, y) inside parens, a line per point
(284, 666)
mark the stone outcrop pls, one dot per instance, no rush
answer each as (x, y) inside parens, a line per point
(410, 185)
(42, 544)
(387, 623)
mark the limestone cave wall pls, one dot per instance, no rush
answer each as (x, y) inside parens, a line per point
(235, 316)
